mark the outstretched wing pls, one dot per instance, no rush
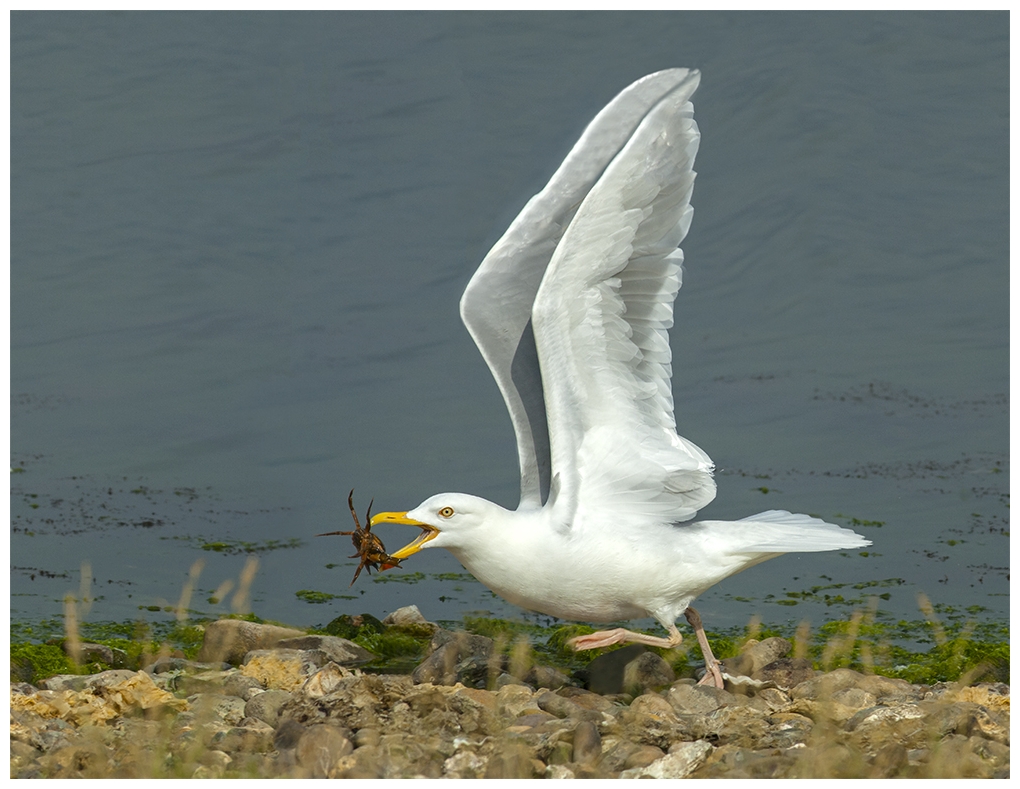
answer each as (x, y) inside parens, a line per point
(600, 321)
(497, 303)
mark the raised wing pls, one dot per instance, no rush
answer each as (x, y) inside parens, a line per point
(600, 321)
(497, 304)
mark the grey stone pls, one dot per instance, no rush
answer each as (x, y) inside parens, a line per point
(204, 682)
(334, 649)
(229, 709)
(408, 616)
(229, 640)
(605, 674)
(266, 706)
(546, 677)
(99, 653)
(236, 684)
(82, 682)
(508, 679)
(49, 739)
(167, 664)
(698, 699)
(288, 733)
(320, 748)
(64, 682)
(682, 760)
(854, 697)
(23, 688)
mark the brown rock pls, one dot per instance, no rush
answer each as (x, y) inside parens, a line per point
(647, 672)
(512, 760)
(969, 719)
(889, 762)
(740, 725)
(228, 640)
(565, 708)
(236, 684)
(955, 757)
(786, 672)
(587, 743)
(682, 760)
(884, 688)
(546, 677)
(486, 698)
(771, 699)
(320, 748)
(282, 669)
(616, 752)
(324, 681)
(531, 719)
(216, 706)
(786, 730)
(587, 699)
(250, 735)
(855, 698)
(288, 734)
(99, 653)
(643, 756)
(827, 685)
(756, 655)
(696, 699)
(458, 657)
(512, 700)
(654, 705)
(266, 706)
(464, 764)
(733, 762)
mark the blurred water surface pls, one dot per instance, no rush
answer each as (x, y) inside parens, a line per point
(238, 242)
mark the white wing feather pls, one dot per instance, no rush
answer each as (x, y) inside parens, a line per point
(600, 321)
(497, 304)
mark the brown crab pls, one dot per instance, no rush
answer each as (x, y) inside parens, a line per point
(368, 546)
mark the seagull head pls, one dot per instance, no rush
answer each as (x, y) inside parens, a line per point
(447, 520)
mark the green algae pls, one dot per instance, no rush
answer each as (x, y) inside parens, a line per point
(311, 596)
(949, 644)
(38, 650)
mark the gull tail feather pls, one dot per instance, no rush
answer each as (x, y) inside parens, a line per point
(778, 531)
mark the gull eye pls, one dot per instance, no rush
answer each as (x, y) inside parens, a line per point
(446, 512)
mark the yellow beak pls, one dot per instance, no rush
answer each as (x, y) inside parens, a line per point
(427, 532)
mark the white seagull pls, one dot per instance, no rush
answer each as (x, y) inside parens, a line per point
(570, 309)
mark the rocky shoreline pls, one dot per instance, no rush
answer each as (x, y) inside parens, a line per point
(265, 701)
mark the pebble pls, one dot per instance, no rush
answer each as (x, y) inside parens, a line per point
(291, 710)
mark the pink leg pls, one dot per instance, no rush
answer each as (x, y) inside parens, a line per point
(605, 638)
(712, 674)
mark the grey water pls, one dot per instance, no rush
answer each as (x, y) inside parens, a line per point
(238, 242)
